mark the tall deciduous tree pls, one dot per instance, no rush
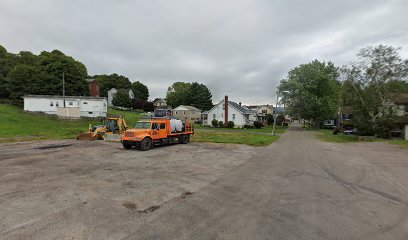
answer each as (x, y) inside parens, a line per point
(313, 91)
(121, 99)
(379, 71)
(140, 90)
(193, 94)
(177, 94)
(106, 82)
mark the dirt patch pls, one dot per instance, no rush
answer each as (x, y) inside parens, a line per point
(54, 146)
(185, 194)
(150, 209)
(130, 205)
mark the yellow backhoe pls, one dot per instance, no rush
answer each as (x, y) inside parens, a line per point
(110, 128)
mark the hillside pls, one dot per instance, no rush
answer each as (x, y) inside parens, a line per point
(17, 125)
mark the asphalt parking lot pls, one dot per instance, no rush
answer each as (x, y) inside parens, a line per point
(74, 189)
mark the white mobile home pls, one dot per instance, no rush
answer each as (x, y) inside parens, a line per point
(80, 106)
(232, 111)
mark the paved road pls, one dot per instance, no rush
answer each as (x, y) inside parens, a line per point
(298, 188)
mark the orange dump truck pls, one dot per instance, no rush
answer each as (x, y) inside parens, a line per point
(157, 131)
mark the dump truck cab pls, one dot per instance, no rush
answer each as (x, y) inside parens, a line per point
(157, 131)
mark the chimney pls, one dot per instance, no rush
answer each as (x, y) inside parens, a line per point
(226, 111)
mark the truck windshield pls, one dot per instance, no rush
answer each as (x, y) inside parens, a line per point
(142, 125)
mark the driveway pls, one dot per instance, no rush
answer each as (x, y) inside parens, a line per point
(298, 188)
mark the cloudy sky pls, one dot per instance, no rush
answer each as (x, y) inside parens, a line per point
(237, 47)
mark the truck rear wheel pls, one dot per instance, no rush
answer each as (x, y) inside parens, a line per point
(146, 144)
(126, 146)
(185, 139)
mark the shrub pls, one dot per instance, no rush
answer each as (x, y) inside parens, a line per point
(258, 124)
(280, 119)
(220, 124)
(214, 122)
(248, 126)
(230, 124)
(121, 99)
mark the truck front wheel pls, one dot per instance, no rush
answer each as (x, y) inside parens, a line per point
(146, 144)
(126, 146)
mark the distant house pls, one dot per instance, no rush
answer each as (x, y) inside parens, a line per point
(75, 106)
(262, 111)
(94, 88)
(184, 112)
(112, 92)
(399, 104)
(159, 102)
(226, 111)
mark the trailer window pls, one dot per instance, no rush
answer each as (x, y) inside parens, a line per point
(142, 125)
(162, 126)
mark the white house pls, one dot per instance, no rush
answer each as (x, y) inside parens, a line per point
(79, 106)
(262, 111)
(232, 111)
(113, 91)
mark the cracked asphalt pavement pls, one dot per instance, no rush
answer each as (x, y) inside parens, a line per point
(296, 188)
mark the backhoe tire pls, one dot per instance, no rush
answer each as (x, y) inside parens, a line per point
(146, 144)
(126, 146)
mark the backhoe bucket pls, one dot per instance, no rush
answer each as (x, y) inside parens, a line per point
(86, 136)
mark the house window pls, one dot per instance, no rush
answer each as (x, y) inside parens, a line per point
(222, 115)
(51, 104)
(176, 113)
(57, 104)
(214, 116)
(70, 103)
(184, 112)
(233, 117)
(89, 112)
(85, 102)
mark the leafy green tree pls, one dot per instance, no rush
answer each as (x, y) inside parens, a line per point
(140, 90)
(200, 96)
(106, 82)
(368, 83)
(193, 94)
(178, 93)
(313, 91)
(121, 99)
(54, 64)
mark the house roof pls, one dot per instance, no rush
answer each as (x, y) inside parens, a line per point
(66, 97)
(89, 80)
(187, 108)
(241, 108)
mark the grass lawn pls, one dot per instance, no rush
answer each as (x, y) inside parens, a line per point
(401, 143)
(17, 125)
(327, 135)
(234, 137)
(267, 129)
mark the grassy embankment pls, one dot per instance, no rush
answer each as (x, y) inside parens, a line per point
(17, 125)
(328, 136)
(237, 136)
(234, 137)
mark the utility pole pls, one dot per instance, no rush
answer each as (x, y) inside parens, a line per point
(63, 87)
(276, 114)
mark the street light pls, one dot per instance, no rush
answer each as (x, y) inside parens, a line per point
(276, 115)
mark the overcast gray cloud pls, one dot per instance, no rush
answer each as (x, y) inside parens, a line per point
(237, 47)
